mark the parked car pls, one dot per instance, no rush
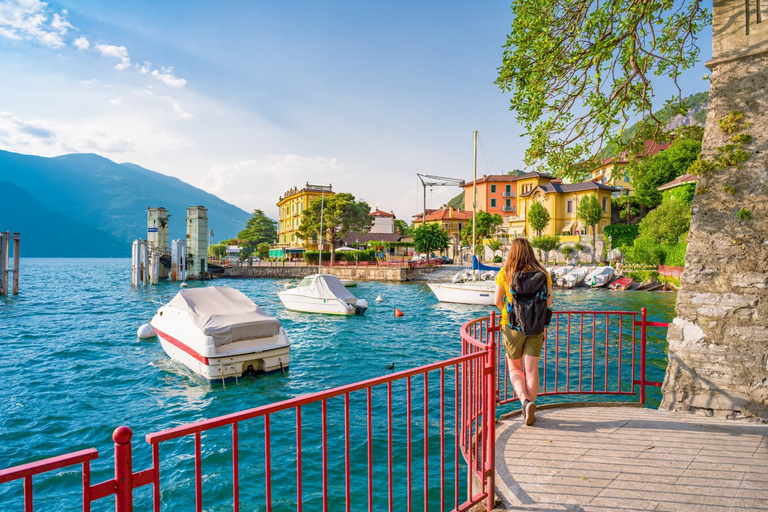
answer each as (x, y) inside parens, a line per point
(447, 260)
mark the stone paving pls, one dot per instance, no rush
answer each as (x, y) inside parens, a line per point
(629, 458)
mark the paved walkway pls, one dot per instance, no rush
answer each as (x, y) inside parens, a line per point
(627, 458)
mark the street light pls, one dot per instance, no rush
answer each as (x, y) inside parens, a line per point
(610, 246)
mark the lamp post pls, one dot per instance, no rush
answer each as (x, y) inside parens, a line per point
(610, 246)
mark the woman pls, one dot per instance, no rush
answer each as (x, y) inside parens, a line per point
(521, 350)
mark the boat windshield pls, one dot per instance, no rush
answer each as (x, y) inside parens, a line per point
(307, 281)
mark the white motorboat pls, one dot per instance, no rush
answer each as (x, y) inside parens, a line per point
(573, 278)
(469, 292)
(556, 273)
(322, 293)
(599, 277)
(349, 283)
(218, 332)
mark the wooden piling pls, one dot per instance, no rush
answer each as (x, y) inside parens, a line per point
(9, 275)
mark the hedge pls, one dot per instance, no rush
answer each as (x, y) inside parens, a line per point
(653, 253)
(621, 234)
(367, 255)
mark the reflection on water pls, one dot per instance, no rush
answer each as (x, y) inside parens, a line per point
(75, 369)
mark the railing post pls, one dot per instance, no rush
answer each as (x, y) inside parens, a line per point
(490, 397)
(643, 320)
(123, 469)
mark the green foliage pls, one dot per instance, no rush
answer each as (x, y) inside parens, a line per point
(217, 250)
(545, 244)
(262, 250)
(494, 245)
(652, 253)
(538, 217)
(642, 276)
(485, 227)
(457, 202)
(341, 213)
(682, 193)
(429, 238)
(387, 245)
(497, 259)
(667, 222)
(258, 229)
(567, 250)
(731, 154)
(628, 208)
(674, 254)
(744, 214)
(578, 246)
(728, 189)
(590, 212)
(620, 234)
(349, 256)
(401, 227)
(662, 168)
(577, 70)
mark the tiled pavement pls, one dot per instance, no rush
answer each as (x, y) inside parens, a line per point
(619, 459)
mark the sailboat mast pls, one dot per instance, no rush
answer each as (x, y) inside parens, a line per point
(474, 193)
(320, 252)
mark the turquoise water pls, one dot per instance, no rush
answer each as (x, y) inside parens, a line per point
(75, 371)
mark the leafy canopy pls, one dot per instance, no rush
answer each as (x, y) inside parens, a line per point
(662, 168)
(578, 70)
(401, 227)
(545, 244)
(430, 237)
(341, 214)
(538, 217)
(485, 227)
(667, 222)
(259, 229)
(590, 212)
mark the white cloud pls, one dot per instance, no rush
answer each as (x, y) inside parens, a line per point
(166, 76)
(82, 43)
(116, 52)
(144, 68)
(118, 102)
(180, 112)
(29, 19)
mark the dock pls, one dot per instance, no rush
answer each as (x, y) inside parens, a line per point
(591, 459)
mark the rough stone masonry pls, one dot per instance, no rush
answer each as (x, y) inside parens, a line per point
(718, 344)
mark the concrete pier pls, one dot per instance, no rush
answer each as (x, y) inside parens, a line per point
(9, 273)
(591, 459)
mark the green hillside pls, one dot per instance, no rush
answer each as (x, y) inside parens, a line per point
(87, 190)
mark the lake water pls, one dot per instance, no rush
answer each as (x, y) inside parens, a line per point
(75, 369)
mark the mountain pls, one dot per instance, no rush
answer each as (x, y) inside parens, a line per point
(68, 193)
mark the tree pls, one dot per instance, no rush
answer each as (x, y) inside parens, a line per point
(430, 237)
(485, 227)
(567, 251)
(401, 227)
(217, 250)
(662, 168)
(538, 217)
(262, 250)
(590, 213)
(545, 244)
(341, 214)
(258, 229)
(578, 70)
(667, 222)
(628, 207)
(494, 245)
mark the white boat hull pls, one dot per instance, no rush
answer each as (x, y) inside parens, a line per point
(185, 343)
(307, 304)
(573, 278)
(478, 292)
(599, 277)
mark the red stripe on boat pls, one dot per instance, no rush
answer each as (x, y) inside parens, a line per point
(176, 343)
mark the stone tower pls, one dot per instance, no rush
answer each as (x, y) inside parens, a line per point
(157, 228)
(718, 344)
(197, 241)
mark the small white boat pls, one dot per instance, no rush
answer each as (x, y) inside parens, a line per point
(349, 283)
(322, 293)
(573, 278)
(218, 332)
(557, 273)
(599, 277)
(469, 292)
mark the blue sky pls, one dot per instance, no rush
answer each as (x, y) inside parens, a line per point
(247, 99)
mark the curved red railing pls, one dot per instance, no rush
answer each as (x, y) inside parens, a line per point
(585, 353)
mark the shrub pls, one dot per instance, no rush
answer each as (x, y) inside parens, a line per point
(674, 254)
(620, 234)
(497, 259)
(578, 246)
(642, 276)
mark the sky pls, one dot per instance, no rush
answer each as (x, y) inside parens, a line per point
(247, 99)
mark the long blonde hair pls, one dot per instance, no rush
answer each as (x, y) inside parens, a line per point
(520, 258)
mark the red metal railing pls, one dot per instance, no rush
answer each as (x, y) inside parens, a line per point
(583, 352)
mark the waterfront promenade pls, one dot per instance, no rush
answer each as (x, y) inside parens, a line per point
(591, 459)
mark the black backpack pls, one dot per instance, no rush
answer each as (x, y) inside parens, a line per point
(528, 312)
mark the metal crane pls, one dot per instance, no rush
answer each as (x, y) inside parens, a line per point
(435, 181)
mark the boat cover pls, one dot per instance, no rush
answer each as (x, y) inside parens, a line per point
(225, 314)
(329, 287)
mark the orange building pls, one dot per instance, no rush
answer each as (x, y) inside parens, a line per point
(496, 194)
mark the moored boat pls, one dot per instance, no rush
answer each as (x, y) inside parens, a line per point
(620, 284)
(573, 278)
(599, 277)
(322, 293)
(469, 292)
(218, 333)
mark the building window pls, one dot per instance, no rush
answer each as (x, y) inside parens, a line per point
(493, 203)
(493, 189)
(508, 189)
(605, 204)
(508, 203)
(569, 206)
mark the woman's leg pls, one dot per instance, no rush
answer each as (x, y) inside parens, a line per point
(531, 377)
(517, 378)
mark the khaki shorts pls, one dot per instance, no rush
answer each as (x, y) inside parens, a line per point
(517, 344)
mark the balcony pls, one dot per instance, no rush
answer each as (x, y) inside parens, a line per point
(509, 208)
(509, 194)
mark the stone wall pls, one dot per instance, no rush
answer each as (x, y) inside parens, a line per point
(356, 273)
(718, 344)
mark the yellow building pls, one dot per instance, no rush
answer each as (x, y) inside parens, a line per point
(291, 206)
(561, 201)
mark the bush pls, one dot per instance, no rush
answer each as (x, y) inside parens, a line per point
(578, 246)
(352, 256)
(641, 276)
(497, 259)
(620, 234)
(674, 255)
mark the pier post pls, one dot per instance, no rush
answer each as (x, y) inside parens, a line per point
(3, 263)
(16, 261)
(123, 469)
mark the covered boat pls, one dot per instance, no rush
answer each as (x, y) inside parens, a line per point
(322, 293)
(469, 292)
(218, 332)
(572, 278)
(599, 277)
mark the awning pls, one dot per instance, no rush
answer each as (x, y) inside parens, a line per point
(346, 249)
(568, 226)
(294, 249)
(276, 253)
